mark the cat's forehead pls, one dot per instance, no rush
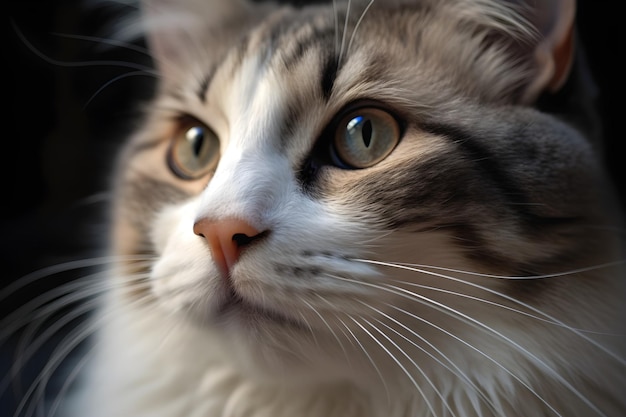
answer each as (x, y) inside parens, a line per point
(295, 69)
(285, 75)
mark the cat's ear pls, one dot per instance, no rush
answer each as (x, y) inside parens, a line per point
(554, 52)
(180, 32)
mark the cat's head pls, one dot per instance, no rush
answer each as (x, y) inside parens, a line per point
(319, 186)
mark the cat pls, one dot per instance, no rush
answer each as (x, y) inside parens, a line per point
(361, 208)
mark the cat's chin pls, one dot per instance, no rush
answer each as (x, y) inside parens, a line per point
(236, 310)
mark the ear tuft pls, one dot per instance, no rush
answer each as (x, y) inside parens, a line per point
(554, 53)
(179, 32)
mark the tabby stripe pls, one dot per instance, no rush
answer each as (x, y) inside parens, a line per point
(296, 108)
(204, 84)
(490, 169)
(329, 75)
(514, 196)
(240, 52)
(317, 37)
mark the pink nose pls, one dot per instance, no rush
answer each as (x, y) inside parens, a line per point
(226, 239)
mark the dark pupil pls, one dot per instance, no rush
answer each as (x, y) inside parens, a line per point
(196, 137)
(366, 130)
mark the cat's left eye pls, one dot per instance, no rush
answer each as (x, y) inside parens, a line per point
(194, 151)
(365, 136)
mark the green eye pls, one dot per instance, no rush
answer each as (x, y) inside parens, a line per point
(194, 151)
(365, 137)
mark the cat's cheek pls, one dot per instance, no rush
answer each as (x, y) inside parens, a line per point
(184, 275)
(174, 222)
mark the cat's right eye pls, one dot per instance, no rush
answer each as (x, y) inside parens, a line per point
(365, 136)
(194, 151)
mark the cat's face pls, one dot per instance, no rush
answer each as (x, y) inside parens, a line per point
(301, 186)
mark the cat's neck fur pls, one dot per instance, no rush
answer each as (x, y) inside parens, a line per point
(187, 373)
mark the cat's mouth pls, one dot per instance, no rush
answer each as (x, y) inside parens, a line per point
(236, 306)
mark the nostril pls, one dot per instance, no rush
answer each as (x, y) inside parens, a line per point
(200, 228)
(227, 238)
(242, 239)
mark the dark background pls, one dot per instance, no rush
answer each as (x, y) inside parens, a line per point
(66, 112)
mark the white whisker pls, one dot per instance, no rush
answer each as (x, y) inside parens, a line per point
(400, 365)
(336, 26)
(474, 348)
(356, 27)
(308, 325)
(65, 267)
(75, 372)
(112, 81)
(538, 361)
(450, 312)
(343, 35)
(27, 350)
(28, 347)
(33, 309)
(420, 370)
(35, 393)
(369, 358)
(107, 41)
(521, 277)
(343, 349)
(457, 371)
(80, 64)
(492, 303)
(59, 296)
(550, 318)
(69, 380)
